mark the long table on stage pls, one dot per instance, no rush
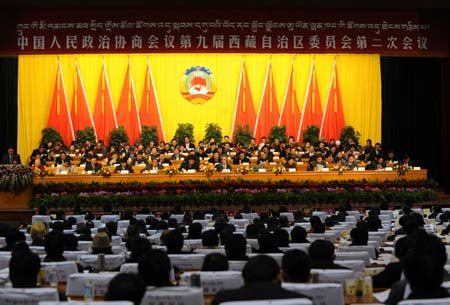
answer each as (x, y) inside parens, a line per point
(263, 176)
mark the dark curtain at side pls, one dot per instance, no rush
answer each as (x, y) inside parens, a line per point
(411, 113)
(8, 103)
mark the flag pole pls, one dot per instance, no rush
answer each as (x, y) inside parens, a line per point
(237, 97)
(156, 98)
(287, 90)
(328, 96)
(67, 102)
(262, 97)
(306, 100)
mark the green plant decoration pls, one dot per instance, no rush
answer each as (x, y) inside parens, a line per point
(242, 134)
(149, 134)
(349, 132)
(83, 135)
(51, 134)
(184, 130)
(311, 134)
(213, 131)
(278, 132)
(117, 136)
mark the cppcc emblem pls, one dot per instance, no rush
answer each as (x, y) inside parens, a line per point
(198, 85)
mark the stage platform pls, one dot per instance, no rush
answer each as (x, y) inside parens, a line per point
(292, 176)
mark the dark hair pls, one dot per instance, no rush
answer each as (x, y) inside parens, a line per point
(126, 287)
(236, 247)
(70, 242)
(298, 235)
(54, 247)
(252, 231)
(173, 240)
(321, 249)
(195, 231)
(154, 267)
(359, 236)
(215, 262)
(58, 226)
(138, 246)
(296, 266)
(282, 237)
(13, 236)
(314, 219)
(24, 267)
(172, 222)
(318, 227)
(374, 223)
(267, 243)
(210, 239)
(112, 227)
(260, 268)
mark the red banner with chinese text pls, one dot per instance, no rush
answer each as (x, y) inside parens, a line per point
(214, 31)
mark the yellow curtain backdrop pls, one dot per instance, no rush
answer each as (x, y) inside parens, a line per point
(359, 77)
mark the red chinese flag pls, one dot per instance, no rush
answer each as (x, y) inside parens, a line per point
(127, 111)
(149, 113)
(268, 114)
(244, 113)
(333, 119)
(312, 108)
(59, 116)
(290, 112)
(81, 113)
(104, 115)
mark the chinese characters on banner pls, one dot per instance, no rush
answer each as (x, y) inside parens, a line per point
(246, 31)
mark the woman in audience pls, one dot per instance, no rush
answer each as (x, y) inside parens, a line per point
(126, 287)
(154, 267)
(101, 244)
(54, 247)
(215, 262)
(298, 235)
(37, 232)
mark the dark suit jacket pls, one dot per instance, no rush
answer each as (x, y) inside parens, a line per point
(89, 167)
(390, 275)
(255, 291)
(15, 159)
(123, 168)
(220, 167)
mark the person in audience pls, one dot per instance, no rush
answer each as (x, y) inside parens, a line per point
(296, 266)
(359, 235)
(70, 242)
(436, 210)
(24, 268)
(406, 162)
(424, 270)
(261, 282)
(85, 233)
(54, 247)
(298, 235)
(37, 232)
(282, 237)
(322, 255)
(123, 167)
(174, 241)
(210, 239)
(101, 244)
(236, 248)
(393, 271)
(126, 287)
(215, 262)
(138, 246)
(374, 223)
(318, 227)
(252, 231)
(195, 231)
(11, 238)
(268, 243)
(154, 267)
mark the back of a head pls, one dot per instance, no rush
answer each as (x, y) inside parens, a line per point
(296, 266)
(321, 249)
(70, 242)
(260, 268)
(112, 227)
(374, 222)
(298, 235)
(195, 231)
(139, 246)
(58, 226)
(174, 241)
(14, 236)
(236, 247)
(359, 236)
(154, 267)
(422, 272)
(318, 227)
(215, 262)
(54, 244)
(314, 219)
(126, 287)
(210, 239)
(267, 242)
(252, 231)
(282, 237)
(24, 267)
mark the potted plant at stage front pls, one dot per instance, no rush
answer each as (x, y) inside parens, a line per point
(83, 135)
(242, 134)
(349, 132)
(184, 130)
(311, 135)
(51, 134)
(117, 136)
(149, 134)
(213, 131)
(278, 132)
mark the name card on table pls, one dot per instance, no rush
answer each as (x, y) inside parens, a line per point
(388, 169)
(227, 170)
(191, 170)
(245, 163)
(361, 169)
(292, 170)
(325, 169)
(416, 168)
(124, 172)
(262, 170)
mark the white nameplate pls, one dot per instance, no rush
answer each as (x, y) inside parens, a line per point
(191, 170)
(124, 171)
(272, 163)
(153, 171)
(325, 169)
(226, 170)
(416, 168)
(245, 163)
(165, 164)
(292, 170)
(361, 169)
(388, 169)
(262, 170)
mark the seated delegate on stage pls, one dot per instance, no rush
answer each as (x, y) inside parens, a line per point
(318, 164)
(11, 157)
(154, 167)
(124, 167)
(93, 166)
(189, 165)
(223, 166)
(66, 169)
